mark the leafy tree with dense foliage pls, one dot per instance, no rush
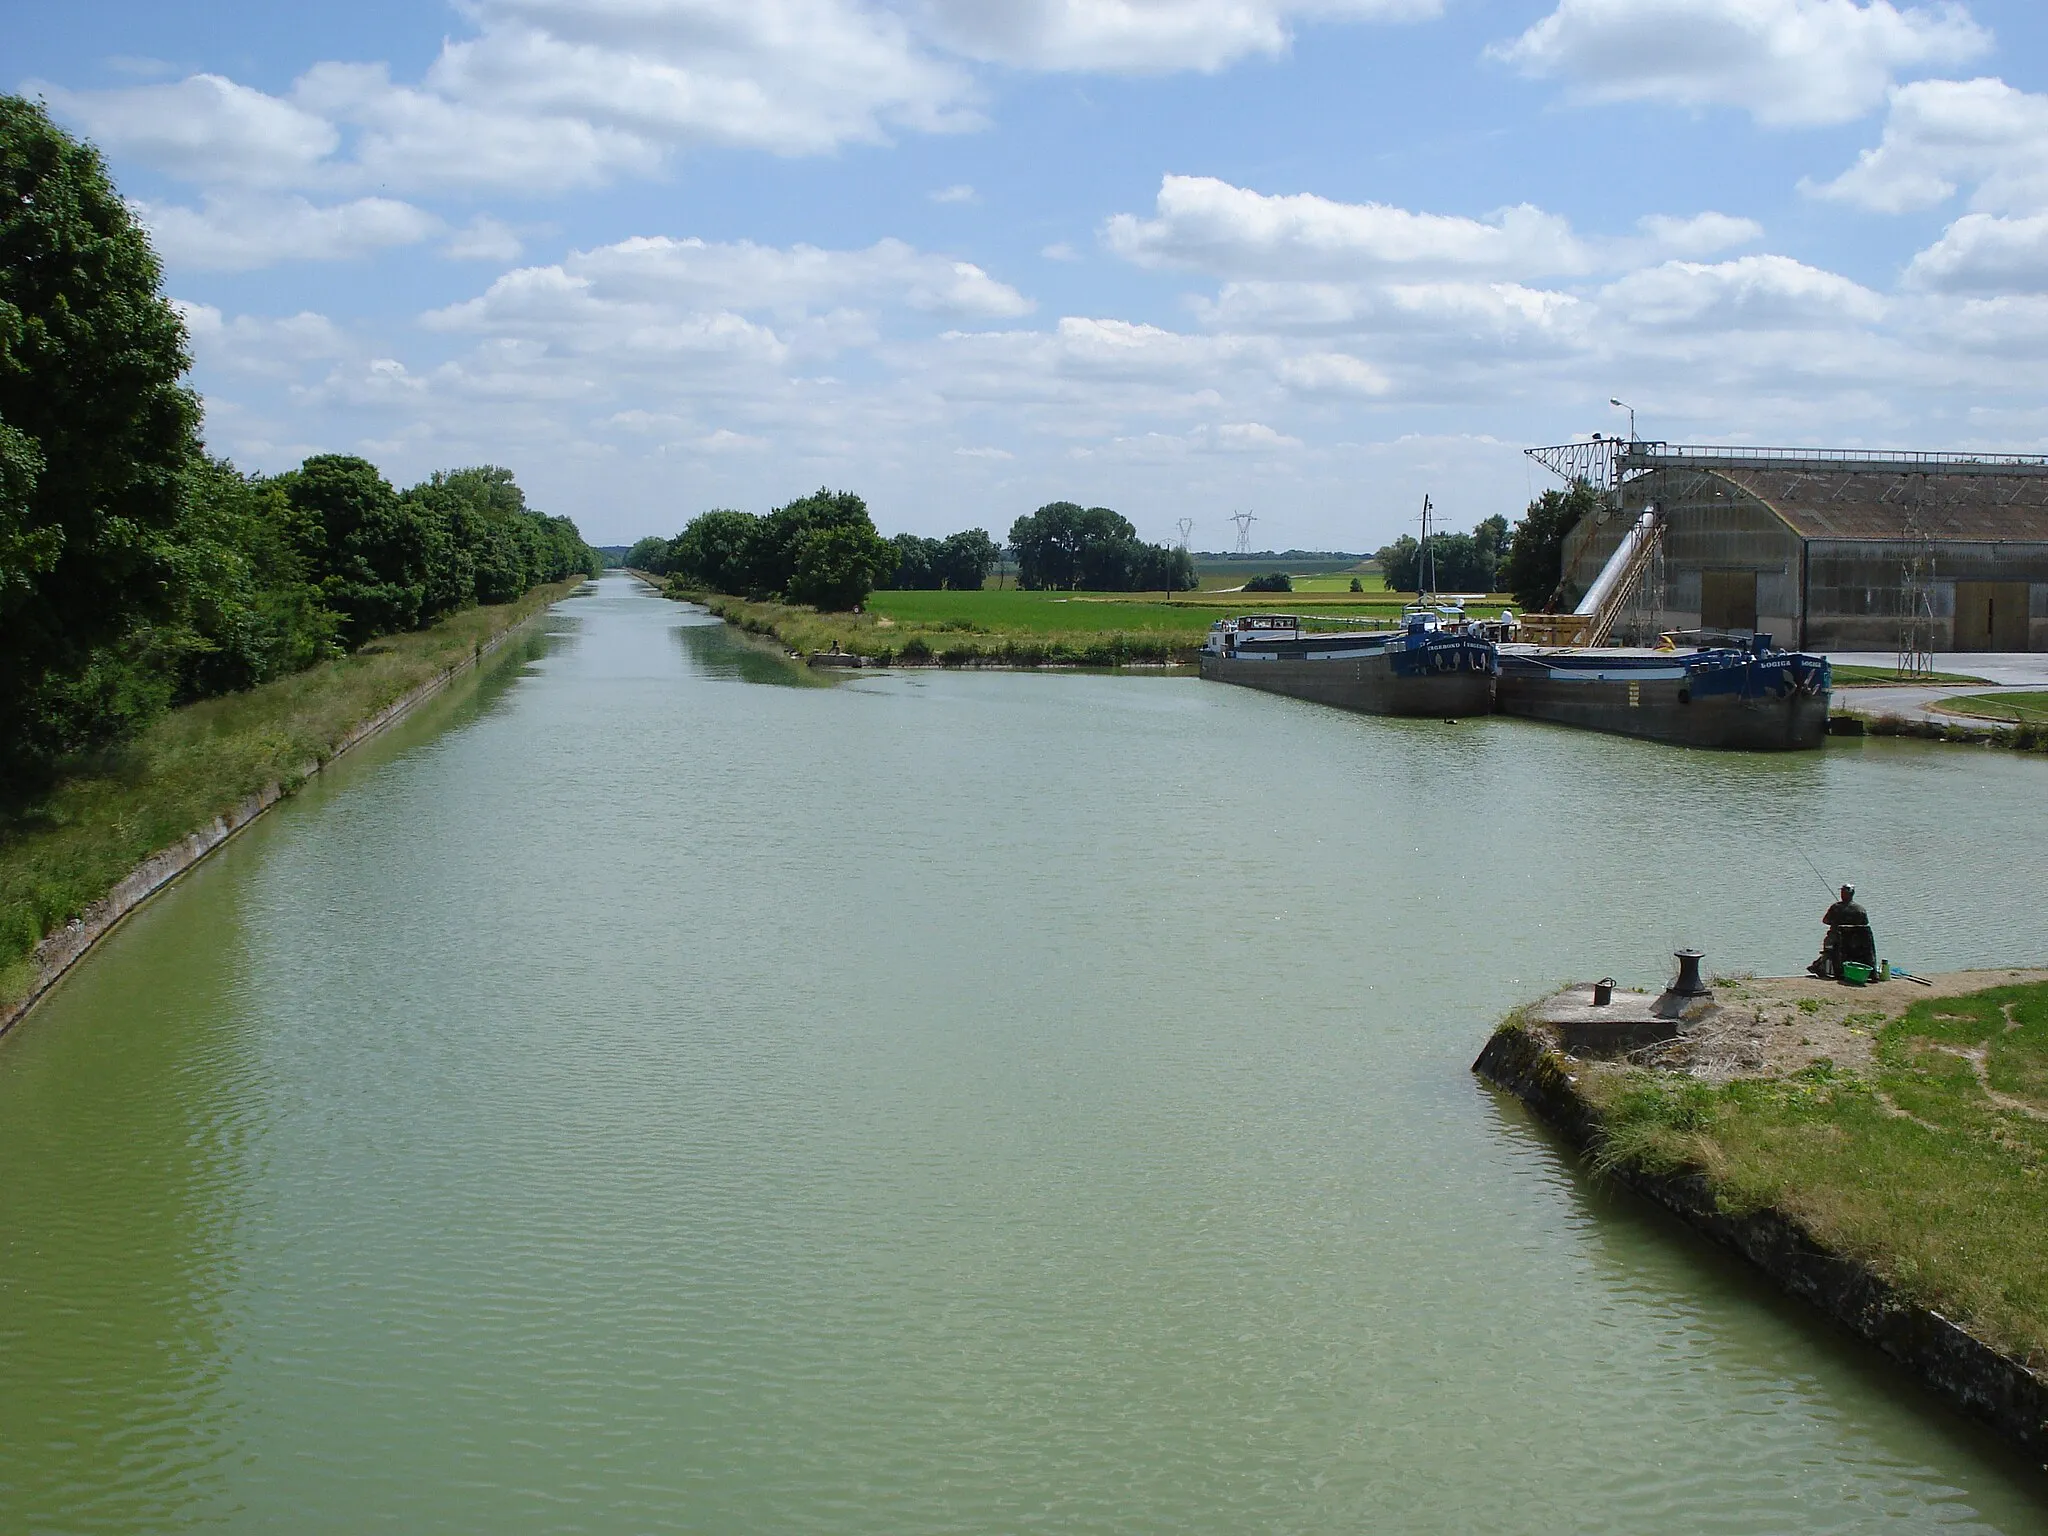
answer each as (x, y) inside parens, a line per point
(1535, 561)
(95, 434)
(649, 554)
(1462, 562)
(820, 549)
(136, 572)
(250, 609)
(1276, 581)
(1064, 545)
(960, 561)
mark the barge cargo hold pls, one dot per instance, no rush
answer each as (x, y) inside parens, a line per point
(1754, 698)
(1424, 668)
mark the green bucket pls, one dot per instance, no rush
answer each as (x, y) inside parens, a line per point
(1855, 972)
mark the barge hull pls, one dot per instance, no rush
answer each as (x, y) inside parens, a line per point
(1656, 711)
(1368, 685)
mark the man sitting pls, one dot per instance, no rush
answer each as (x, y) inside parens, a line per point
(1849, 938)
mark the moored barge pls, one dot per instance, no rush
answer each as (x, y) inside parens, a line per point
(1753, 698)
(1432, 665)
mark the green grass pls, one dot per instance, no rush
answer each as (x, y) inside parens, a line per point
(2020, 708)
(194, 764)
(1880, 677)
(1917, 1169)
(1034, 628)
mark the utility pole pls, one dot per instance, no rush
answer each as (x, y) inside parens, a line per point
(1244, 521)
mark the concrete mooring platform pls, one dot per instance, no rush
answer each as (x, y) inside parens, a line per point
(1628, 1021)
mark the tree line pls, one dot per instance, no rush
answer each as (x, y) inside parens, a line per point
(1526, 560)
(136, 571)
(823, 549)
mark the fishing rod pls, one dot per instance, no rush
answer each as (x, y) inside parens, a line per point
(1823, 879)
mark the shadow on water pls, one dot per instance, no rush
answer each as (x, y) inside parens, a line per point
(712, 648)
(1712, 1306)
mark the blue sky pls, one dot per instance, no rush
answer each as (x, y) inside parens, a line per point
(1310, 258)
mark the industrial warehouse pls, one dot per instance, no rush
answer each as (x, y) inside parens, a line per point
(1825, 550)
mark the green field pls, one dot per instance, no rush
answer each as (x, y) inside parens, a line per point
(63, 853)
(2019, 708)
(1036, 628)
(1932, 1167)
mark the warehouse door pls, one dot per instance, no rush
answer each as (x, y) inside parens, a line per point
(1728, 601)
(1991, 615)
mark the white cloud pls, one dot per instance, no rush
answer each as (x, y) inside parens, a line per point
(253, 344)
(1140, 36)
(205, 129)
(984, 453)
(795, 280)
(549, 95)
(485, 239)
(1787, 62)
(1943, 134)
(234, 232)
(1059, 250)
(1334, 373)
(1210, 225)
(1748, 294)
(1250, 437)
(1984, 254)
(958, 193)
(1703, 234)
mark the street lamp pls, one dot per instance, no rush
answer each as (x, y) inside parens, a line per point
(1624, 405)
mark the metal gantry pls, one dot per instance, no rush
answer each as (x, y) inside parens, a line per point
(1244, 521)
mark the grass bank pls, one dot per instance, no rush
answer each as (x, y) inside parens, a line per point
(1849, 675)
(1027, 629)
(196, 764)
(1919, 1147)
(2015, 708)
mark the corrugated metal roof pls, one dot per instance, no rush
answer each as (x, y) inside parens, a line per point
(1861, 504)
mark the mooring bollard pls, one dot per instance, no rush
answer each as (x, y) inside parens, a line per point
(1689, 983)
(1603, 991)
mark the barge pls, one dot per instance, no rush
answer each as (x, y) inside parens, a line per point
(1434, 665)
(1753, 697)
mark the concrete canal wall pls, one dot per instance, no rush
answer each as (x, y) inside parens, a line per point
(1983, 1383)
(64, 948)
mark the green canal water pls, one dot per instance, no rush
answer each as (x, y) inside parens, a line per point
(651, 1092)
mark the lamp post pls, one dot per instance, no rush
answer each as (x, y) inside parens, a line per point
(1624, 405)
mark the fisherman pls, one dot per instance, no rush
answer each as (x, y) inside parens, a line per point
(1849, 938)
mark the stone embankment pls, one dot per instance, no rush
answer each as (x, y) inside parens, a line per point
(64, 948)
(1529, 1057)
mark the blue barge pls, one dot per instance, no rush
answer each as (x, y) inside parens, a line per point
(1753, 697)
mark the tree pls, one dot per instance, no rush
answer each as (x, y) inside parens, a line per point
(1064, 545)
(1535, 562)
(837, 565)
(715, 551)
(95, 434)
(249, 608)
(916, 567)
(964, 559)
(649, 554)
(373, 550)
(1277, 581)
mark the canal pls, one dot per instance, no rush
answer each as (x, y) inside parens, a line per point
(650, 1091)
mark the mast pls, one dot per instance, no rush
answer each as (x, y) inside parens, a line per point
(1425, 561)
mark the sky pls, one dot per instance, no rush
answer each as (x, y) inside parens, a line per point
(1309, 259)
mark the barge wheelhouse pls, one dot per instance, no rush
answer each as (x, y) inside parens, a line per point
(1435, 664)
